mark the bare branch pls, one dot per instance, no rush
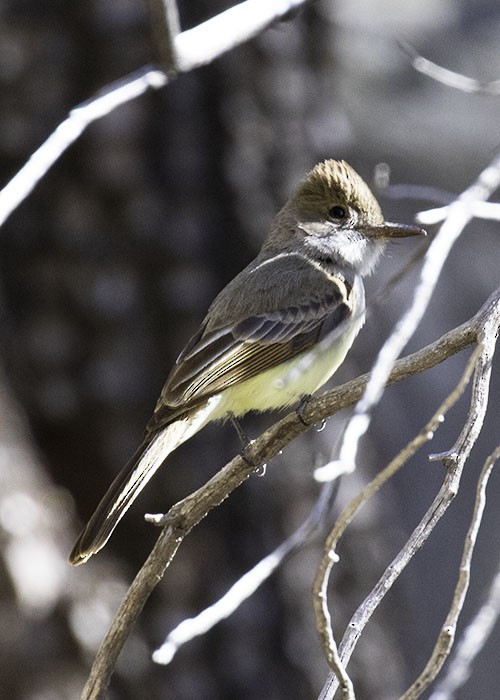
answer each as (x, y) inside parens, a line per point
(323, 618)
(471, 643)
(186, 514)
(206, 42)
(454, 461)
(193, 48)
(480, 210)
(476, 633)
(448, 77)
(487, 337)
(447, 635)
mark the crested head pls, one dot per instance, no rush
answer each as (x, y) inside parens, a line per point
(334, 182)
(334, 217)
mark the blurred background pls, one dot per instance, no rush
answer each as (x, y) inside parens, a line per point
(108, 268)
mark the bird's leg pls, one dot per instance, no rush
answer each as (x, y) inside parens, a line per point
(300, 409)
(246, 443)
(244, 439)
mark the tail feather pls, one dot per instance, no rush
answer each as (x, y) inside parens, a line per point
(130, 482)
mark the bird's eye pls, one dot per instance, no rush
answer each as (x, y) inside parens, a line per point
(338, 213)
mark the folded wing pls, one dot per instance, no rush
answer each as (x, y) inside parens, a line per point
(302, 299)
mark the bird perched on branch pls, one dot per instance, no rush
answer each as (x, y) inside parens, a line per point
(276, 333)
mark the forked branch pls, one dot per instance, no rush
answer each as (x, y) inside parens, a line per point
(454, 460)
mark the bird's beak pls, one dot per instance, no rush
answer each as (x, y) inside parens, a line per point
(388, 230)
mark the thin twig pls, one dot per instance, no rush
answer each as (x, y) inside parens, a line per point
(449, 77)
(206, 42)
(446, 636)
(472, 640)
(471, 644)
(323, 618)
(480, 210)
(382, 182)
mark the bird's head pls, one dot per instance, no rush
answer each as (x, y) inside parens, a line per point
(334, 215)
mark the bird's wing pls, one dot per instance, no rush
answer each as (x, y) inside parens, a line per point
(303, 301)
(297, 303)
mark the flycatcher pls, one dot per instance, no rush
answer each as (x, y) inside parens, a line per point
(274, 334)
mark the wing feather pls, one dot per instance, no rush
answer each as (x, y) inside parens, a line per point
(216, 358)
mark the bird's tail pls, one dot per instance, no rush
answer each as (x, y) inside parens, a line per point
(130, 482)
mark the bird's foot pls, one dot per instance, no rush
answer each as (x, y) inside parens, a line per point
(300, 409)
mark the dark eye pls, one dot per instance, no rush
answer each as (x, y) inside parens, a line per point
(338, 213)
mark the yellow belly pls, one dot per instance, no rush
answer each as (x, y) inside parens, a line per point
(285, 384)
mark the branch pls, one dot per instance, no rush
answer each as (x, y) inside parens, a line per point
(244, 587)
(186, 514)
(478, 630)
(448, 77)
(201, 45)
(323, 618)
(193, 48)
(446, 636)
(454, 460)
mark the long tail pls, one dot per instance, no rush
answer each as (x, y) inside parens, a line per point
(130, 482)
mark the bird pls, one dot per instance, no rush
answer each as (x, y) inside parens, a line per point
(275, 334)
